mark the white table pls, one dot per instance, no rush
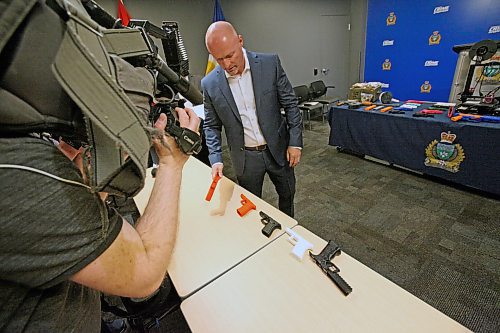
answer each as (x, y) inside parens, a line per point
(272, 291)
(212, 238)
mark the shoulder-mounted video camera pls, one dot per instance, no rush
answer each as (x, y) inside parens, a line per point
(169, 77)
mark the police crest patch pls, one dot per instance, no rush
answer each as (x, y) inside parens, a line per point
(386, 65)
(425, 87)
(391, 19)
(435, 38)
(444, 154)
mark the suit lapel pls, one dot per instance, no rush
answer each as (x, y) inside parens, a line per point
(256, 70)
(226, 92)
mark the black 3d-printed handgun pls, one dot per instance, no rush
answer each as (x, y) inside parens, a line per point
(323, 260)
(270, 224)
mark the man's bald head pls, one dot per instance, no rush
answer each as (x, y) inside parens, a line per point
(220, 33)
(226, 46)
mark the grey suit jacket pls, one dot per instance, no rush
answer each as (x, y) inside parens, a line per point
(272, 92)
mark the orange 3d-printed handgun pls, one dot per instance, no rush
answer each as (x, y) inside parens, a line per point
(212, 187)
(247, 206)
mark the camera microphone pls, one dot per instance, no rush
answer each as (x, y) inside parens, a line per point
(178, 83)
(98, 14)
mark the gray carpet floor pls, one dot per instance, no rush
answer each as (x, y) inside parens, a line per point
(438, 241)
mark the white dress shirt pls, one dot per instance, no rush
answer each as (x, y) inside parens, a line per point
(242, 88)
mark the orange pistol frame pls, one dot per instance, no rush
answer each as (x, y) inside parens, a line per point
(247, 206)
(212, 188)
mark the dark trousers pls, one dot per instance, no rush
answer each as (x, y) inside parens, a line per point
(257, 164)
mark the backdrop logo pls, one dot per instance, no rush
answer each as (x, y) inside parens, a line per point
(435, 38)
(388, 42)
(441, 9)
(444, 154)
(431, 63)
(391, 19)
(425, 87)
(386, 65)
(494, 29)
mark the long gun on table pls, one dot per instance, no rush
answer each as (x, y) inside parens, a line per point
(475, 118)
(323, 260)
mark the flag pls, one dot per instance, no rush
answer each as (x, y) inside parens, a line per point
(122, 13)
(218, 16)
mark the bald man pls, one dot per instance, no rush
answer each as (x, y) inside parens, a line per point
(246, 94)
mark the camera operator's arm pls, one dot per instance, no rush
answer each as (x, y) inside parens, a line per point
(136, 262)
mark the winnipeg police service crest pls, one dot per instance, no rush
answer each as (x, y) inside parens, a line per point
(391, 19)
(425, 87)
(435, 38)
(386, 65)
(444, 154)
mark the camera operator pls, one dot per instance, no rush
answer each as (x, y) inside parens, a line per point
(59, 242)
(61, 245)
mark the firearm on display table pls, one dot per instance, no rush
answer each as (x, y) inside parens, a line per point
(211, 190)
(247, 206)
(456, 115)
(430, 111)
(300, 244)
(324, 261)
(270, 224)
(474, 118)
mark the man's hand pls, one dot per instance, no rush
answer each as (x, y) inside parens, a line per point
(165, 146)
(293, 156)
(217, 170)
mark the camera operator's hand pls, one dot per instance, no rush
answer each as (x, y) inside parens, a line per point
(188, 119)
(166, 147)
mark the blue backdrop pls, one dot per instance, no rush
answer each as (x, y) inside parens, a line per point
(410, 28)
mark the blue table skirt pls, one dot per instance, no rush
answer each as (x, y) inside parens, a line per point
(471, 159)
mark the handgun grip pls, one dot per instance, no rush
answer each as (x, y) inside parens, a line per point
(243, 210)
(327, 254)
(247, 206)
(211, 190)
(270, 227)
(340, 282)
